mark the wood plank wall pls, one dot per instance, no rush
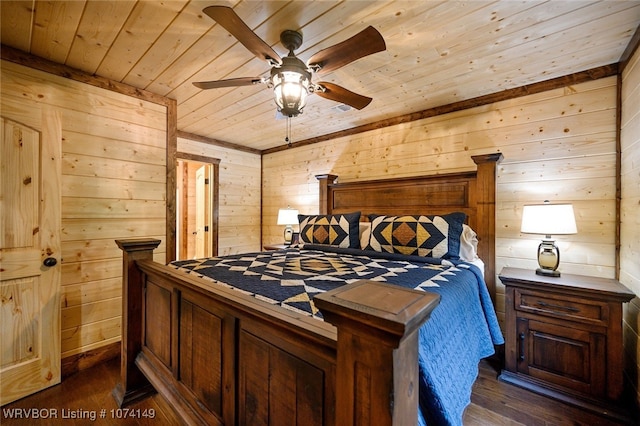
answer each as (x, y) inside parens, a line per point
(113, 177)
(239, 192)
(558, 145)
(630, 215)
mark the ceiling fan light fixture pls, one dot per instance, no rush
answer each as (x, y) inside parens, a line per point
(290, 78)
(291, 85)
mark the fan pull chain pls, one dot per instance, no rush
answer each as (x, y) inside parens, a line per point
(287, 137)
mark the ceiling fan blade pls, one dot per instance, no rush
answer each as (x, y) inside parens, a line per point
(340, 94)
(366, 42)
(232, 82)
(231, 22)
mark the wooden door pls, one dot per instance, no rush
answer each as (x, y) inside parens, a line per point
(201, 221)
(203, 212)
(29, 251)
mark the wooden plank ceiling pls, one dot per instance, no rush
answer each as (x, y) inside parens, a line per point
(438, 52)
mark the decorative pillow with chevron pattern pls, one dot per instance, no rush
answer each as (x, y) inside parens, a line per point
(339, 230)
(418, 235)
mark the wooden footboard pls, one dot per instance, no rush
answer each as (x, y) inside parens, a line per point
(220, 357)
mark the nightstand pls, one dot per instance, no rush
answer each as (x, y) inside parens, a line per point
(564, 337)
(270, 247)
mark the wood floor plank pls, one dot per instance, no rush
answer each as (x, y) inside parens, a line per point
(477, 415)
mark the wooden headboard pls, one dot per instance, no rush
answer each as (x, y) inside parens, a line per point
(473, 193)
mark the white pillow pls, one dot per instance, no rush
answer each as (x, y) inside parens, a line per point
(468, 244)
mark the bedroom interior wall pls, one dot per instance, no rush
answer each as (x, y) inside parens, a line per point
(630, 216)
(113, 186)
(558, 145)
(239, 195)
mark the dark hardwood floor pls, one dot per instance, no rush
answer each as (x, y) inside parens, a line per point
(88, 392)
(496, 403)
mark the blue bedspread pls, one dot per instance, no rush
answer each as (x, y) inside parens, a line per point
(462, 329)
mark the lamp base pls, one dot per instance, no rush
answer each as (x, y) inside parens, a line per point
(548, 272)
(548, 258)
(288, 233)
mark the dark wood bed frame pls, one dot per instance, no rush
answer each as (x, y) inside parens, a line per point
(221, 357)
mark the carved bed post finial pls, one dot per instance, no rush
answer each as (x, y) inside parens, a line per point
(486, 213)
(325, 181)
(133, 385)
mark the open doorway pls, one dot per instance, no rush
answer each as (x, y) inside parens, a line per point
(196, 207)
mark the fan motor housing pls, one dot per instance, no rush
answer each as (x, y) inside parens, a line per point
(292, 64)
(291, 39)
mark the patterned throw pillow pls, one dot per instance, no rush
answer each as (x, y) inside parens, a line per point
(419, 235)
(336, 230)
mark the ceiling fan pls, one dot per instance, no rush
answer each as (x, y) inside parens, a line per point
(290, 77)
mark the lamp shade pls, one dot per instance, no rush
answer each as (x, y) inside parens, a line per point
(548, 219)
(287, 217)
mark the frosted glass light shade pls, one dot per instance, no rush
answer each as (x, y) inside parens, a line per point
(290, 90)
(291, 83)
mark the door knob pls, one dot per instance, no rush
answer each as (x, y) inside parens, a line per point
(50, 261)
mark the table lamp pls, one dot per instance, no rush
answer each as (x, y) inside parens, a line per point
(548, 219)
(287, 217)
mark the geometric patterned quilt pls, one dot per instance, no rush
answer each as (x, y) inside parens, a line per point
(291, 278)
(462, 329)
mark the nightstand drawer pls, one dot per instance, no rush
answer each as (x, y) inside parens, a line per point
(581, 310)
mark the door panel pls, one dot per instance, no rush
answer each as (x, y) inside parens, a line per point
(29, 233)
(200, 213)
(203, 212)
(561, 355)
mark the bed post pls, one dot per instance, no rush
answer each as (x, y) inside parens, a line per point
(133, 385)
(486, 214)
(377, 326)
(324, 182)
